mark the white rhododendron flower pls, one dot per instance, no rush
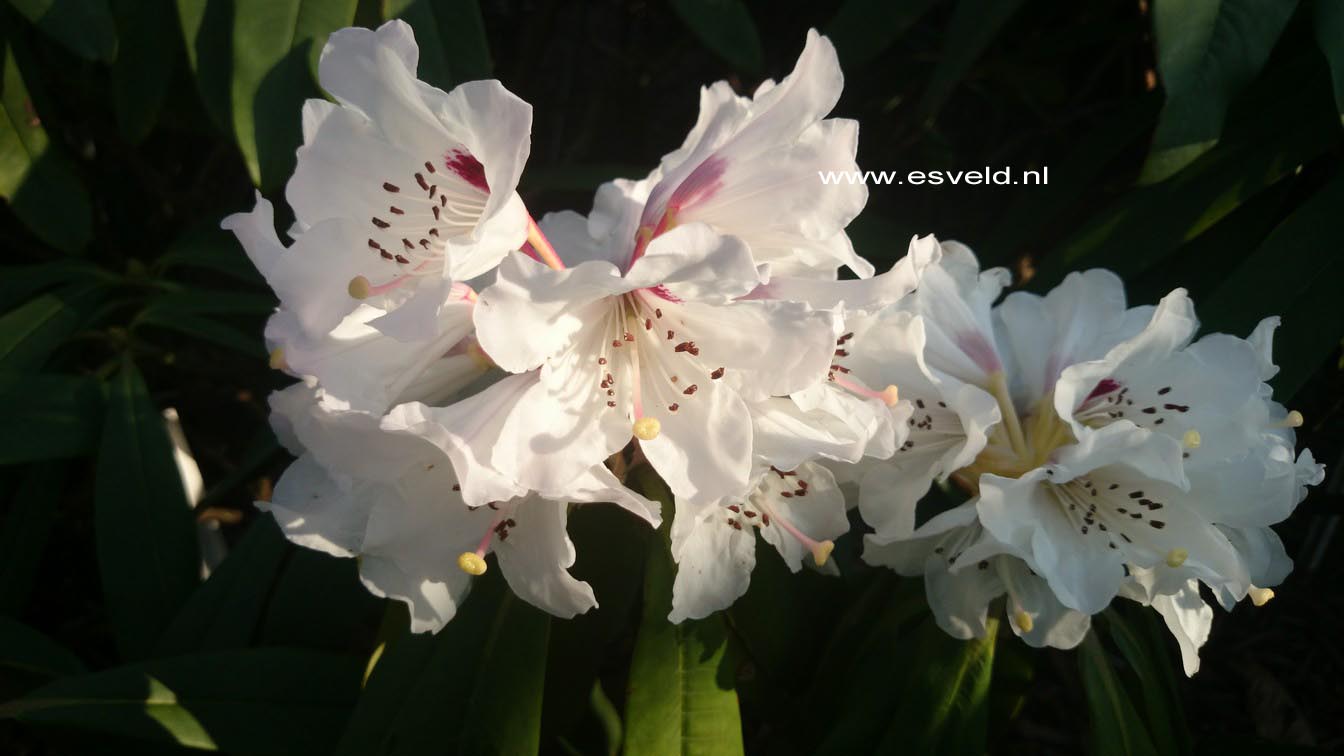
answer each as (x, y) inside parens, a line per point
(1117, 459)
(749, 168)
(401, 192)
(657, 348)
(390, 497)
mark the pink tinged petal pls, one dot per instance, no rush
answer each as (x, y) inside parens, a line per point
(494, 126)
(535, 554)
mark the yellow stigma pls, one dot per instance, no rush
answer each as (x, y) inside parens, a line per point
(1261, 596)
(1177, 557)
(890, 395)
(277, 360)
(647, 428)
(822, 552)
(471, 563)
(359, 287)
(1191, 439)
(1024, 621)
(1293, 420)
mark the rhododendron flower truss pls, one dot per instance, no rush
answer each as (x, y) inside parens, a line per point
(391, 498)
(1115, 456)
(400, 190)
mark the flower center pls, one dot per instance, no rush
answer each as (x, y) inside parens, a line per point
(1018, 444)
(423, 210)
(662, 364)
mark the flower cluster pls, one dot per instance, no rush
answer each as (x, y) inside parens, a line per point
(467, 374)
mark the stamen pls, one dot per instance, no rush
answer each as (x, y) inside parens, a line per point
(1294, 419)
(821, 550)
(277, 359)
(647, 428)
(1024, 621)
(1261, 596)
(889, 395)
(473, 562)
(1191, 439)
(1177, 557)
(542, 246)
(359, 287)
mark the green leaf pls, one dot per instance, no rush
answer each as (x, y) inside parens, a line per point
(945, 708)
(20, 282)
(144, 67)
(1295, 273)
(255, 78)
(262, 701)
(318, 602)
(29, 334)
(207, 302)
(973, 26)
(1329, 22)
(1207, 51)
(678, 700)
(38, 181)
(864, 29)
(84, 27)
(726, 28)
(1149, 223)
(207, 247)
(145, 532)
(451, 36)
(223, 334)
(1115, 725)
(475, 687)
(24, 534)
(26, 650)
(47, 416)
(1152, 665)
(226, 610)
(610, 544)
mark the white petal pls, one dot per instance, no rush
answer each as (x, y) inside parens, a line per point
(694, 263)
(531, 311)
(818, 511)
(713, 566)
(1053, 624)
(1189, 620)
(536, 556)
